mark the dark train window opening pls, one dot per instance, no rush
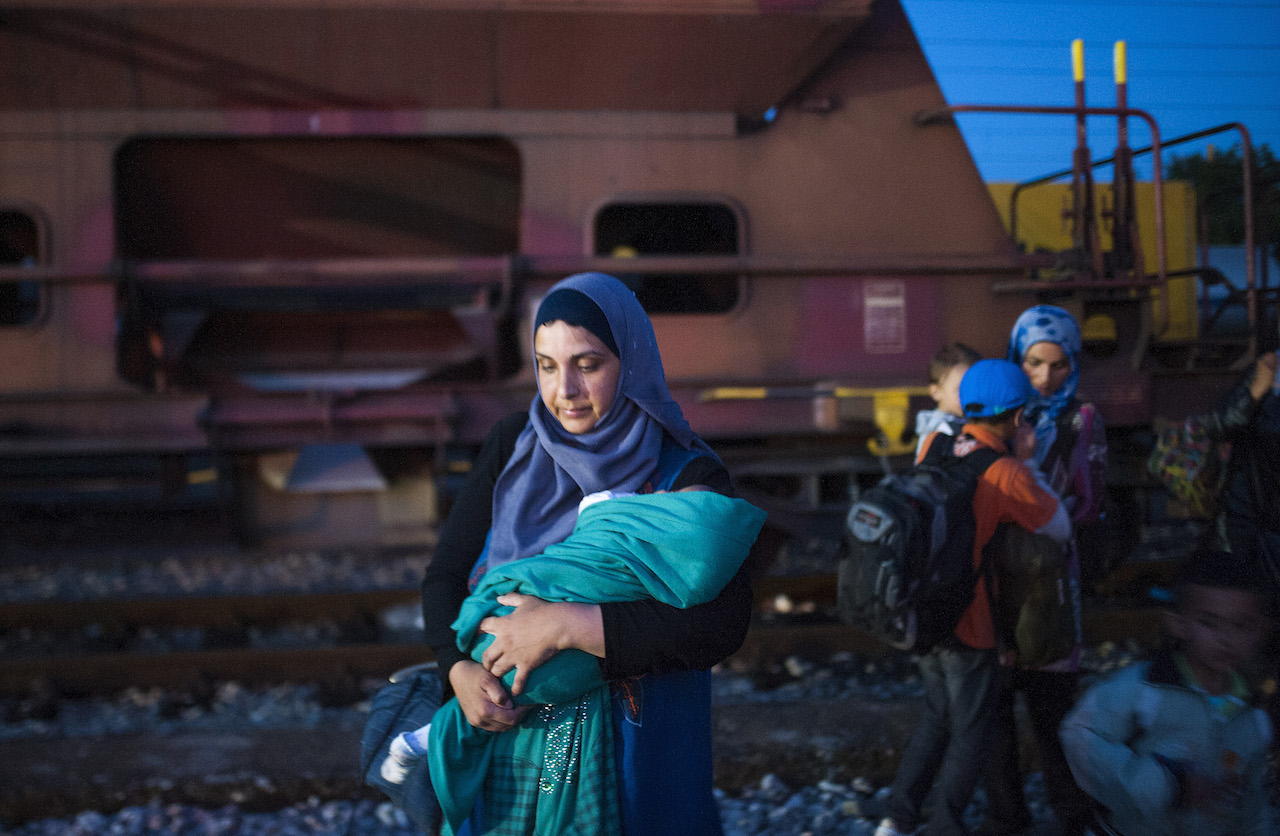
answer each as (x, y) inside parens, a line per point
(673, 228)
(19, 247)
(312, 199)
(317, 197)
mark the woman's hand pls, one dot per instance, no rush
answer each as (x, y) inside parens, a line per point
(483, 698)
(1264, 374)
(1024, 440)
(535, 631)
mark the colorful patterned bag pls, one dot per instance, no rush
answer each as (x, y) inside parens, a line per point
(1190, 465)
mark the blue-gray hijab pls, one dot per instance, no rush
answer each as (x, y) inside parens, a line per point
(1051, 324)
(535, 500)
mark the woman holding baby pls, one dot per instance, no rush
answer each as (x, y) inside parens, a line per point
(603, 420)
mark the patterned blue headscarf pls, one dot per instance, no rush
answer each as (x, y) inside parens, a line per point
(1051, 324)
(535, 500)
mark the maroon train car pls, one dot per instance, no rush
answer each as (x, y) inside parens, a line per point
(292, 247)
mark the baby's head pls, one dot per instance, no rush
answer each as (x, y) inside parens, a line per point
(946, 369)
(1220, 612)
(602, 496)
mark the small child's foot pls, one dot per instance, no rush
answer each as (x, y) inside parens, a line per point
(405, 749)
(888, 827)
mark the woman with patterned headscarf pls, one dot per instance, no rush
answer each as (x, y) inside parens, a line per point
(1071, 440)
(1071, 451)
(603, 419)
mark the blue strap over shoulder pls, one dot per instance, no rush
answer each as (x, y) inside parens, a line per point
(671, 463)
(662, 728)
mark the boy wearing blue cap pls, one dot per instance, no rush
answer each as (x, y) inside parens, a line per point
(961, 677)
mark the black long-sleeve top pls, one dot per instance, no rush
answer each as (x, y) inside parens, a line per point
(639, 636)
(1252, 486)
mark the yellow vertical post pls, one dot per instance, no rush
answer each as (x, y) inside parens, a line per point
(891, 408)
(1085, 237)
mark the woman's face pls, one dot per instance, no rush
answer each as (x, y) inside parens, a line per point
(577, 375)
(1047, 366)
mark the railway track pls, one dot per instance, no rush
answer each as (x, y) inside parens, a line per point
(225, 625)
(210, 611)
(792, 620)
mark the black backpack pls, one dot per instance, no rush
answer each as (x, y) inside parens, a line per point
(908, 573)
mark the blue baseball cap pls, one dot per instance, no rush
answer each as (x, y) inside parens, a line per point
(993, 387)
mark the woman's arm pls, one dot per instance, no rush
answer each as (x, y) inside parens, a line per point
(632, 637)
(534, 631)
(482, 696)
(462, 539)
(649, 637)
(1238, 410)
(1088, 467)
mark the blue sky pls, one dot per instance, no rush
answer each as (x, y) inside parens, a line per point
(1192, 64)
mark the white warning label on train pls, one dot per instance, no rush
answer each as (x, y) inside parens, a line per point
(884, 317)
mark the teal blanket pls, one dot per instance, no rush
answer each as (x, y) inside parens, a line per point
(555, 773)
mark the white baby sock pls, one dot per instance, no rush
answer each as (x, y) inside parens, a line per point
(405, 749)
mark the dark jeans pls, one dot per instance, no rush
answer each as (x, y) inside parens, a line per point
(961, 688)
(1049, 696)
(1240, 535)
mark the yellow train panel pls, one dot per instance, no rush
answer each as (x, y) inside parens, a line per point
(1043, 214)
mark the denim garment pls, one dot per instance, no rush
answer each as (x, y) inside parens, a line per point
(1049, 696)
(961, 689)
(405, 705)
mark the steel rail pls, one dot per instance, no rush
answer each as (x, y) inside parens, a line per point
(771, 638)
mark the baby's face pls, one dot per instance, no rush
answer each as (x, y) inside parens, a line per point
(947, 390)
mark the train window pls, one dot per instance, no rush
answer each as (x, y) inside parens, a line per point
(317, 197)
(19, 247)
(673, 229)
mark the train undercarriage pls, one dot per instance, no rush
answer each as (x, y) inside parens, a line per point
(240, 271)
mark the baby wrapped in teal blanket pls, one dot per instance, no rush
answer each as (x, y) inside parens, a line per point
(555, 772)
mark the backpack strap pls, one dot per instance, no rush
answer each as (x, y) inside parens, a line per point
(977, 462)
(943, 447)
(672, 460)
(982, 459)
(988, 559)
